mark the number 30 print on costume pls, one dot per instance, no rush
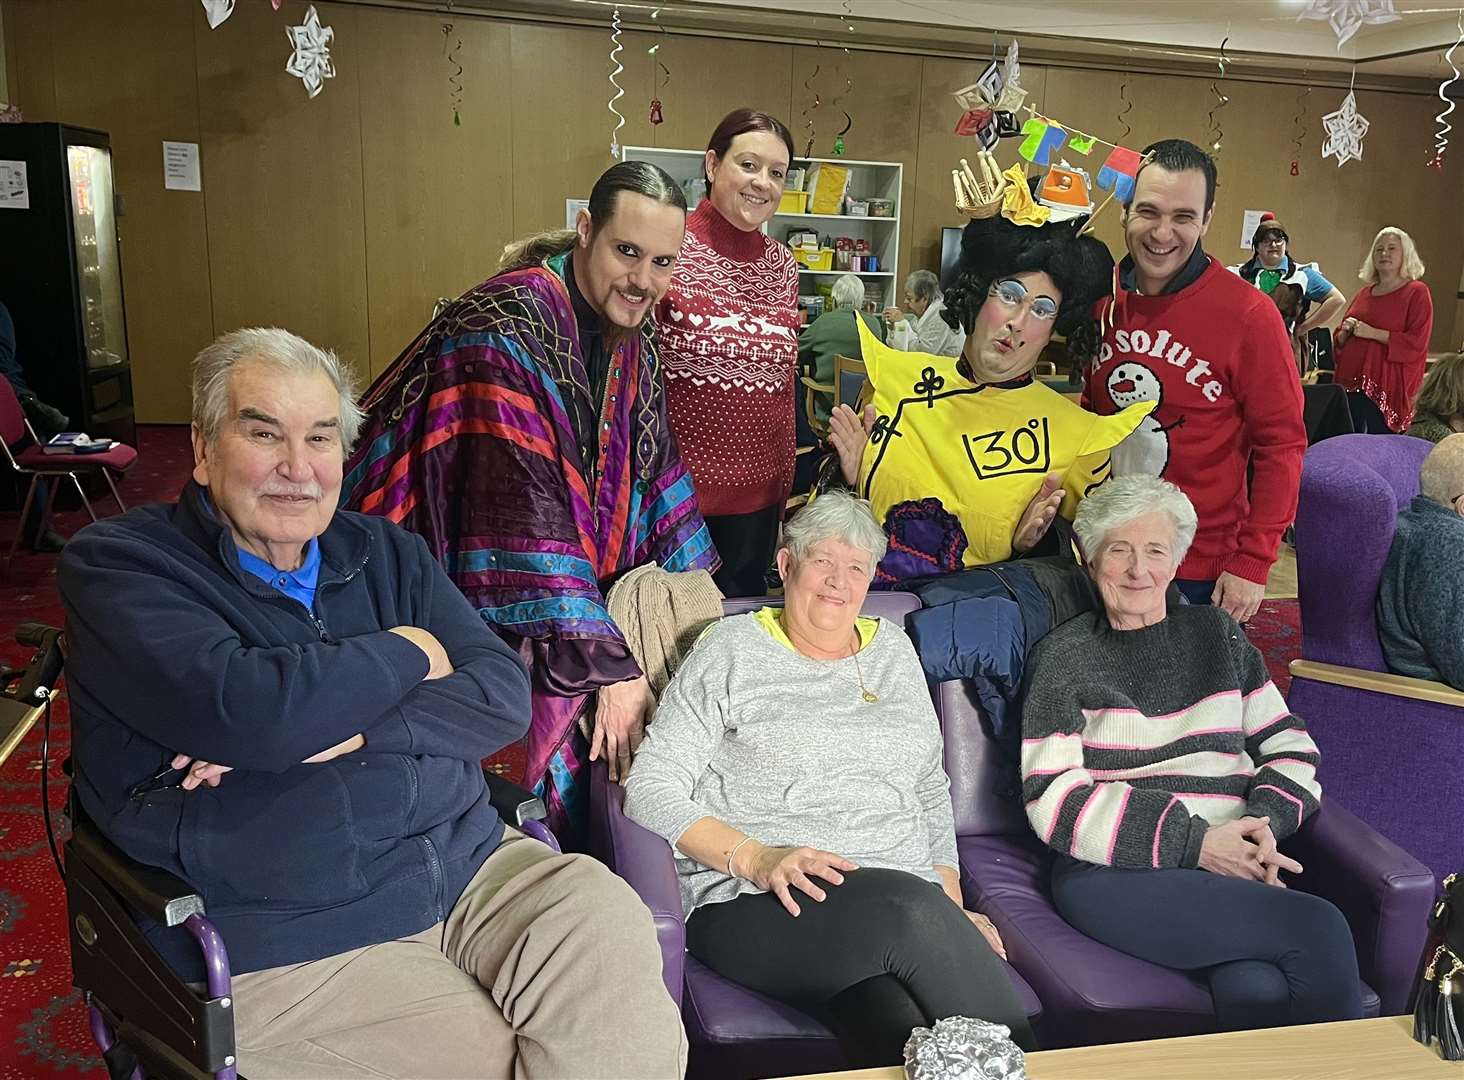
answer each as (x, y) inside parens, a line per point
(951, 464)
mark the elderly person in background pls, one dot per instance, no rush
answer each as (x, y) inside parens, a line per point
(928, 331)
(1439, 411)
(1382, 344)
(1421, 598)
(835, 333)
(286, 705)
(1162, 766)
(795, 766)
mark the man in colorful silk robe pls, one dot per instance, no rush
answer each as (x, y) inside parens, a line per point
(524, 435)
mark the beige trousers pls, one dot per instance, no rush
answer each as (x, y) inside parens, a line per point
(546, 967)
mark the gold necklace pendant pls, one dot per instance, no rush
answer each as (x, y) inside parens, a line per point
(870, 696)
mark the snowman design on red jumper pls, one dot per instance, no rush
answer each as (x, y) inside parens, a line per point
(1146, 451)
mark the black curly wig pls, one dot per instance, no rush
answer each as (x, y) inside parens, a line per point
(994, 248)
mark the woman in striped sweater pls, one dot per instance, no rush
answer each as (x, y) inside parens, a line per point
(1163, 767)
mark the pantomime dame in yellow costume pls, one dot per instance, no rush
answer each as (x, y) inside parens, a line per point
(968, 460)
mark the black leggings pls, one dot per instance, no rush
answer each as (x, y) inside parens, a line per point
(746, 543)
(1366, 416)
(885, 952)
(1272, 956)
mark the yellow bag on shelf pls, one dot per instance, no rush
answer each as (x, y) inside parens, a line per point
(827, 185)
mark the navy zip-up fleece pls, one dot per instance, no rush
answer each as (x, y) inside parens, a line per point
(174, 648)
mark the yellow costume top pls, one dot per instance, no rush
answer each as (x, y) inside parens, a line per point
(951, 464)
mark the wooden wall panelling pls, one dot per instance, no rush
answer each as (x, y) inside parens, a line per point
(883, 101)
(438, 197)
(758, 76)
(941, 150)
(282, 179)
(129, 70)
(558, 89)
(29, 57)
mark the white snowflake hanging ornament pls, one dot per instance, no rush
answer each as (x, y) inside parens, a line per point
(1346, 17)
(1345, 130)
(216, 11)
(311, 63)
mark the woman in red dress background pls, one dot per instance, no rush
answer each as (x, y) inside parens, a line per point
(1382, 343)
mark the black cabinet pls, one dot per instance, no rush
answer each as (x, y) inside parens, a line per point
(61, 273)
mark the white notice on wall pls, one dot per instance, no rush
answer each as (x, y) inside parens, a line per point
(572, 207)
(14, 187)
(180, 166)
(1248, 226)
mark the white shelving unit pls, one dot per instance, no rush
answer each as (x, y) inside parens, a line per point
(867, 180)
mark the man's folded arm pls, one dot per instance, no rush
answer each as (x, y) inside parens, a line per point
(154, 652)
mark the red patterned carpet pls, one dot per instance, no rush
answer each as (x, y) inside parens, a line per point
(43, 1030)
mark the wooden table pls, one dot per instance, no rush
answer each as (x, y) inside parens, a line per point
(1379, 1049)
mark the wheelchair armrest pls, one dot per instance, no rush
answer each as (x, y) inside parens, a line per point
(148, 890)
(1384, 893)
(515, 805)
(646, 863)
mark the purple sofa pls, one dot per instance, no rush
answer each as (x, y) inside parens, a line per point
(1392, 747)
(734, 1032)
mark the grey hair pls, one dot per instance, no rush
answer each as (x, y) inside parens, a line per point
(836, 515)
(848, 292)
(923, 285)
(1442, 476)
(1126, 498)
(280, 349)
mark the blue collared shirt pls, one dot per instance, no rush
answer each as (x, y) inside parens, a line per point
(297, 584)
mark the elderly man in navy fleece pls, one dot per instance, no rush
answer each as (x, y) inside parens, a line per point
(286, 705)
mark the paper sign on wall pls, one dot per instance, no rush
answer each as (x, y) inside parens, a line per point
(180, 166)
(1248, 226)
(14, 186)
(572, 207)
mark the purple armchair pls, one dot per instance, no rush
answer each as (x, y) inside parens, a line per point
(1392, 746)
(734, 1032)
(1093, 994)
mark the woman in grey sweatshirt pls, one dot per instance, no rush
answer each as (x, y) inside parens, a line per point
(795, 765)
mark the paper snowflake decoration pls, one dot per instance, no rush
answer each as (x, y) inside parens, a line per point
(1346, 17)
(1345, 130)
(216, 11)
(311, 62)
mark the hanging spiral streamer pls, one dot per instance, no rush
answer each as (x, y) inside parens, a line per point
(1298, 121)
(1215, 132)
(451, 46)
(1441, 137)
(659, 84)
(808, 111)
(1128, 107)
(615, 50)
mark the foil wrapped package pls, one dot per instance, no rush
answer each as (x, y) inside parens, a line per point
(959, 1048)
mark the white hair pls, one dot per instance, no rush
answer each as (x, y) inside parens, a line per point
(1126, 498)
(280, 349)
(1442, 476)
(836, 515)
(848, 292)
(923, 285)
(1412, 268)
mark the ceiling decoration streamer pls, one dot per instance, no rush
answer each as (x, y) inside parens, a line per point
(809, 110)
(452, 45)
(1298, 123)
(615, 50)
(1128, 107)
(662, 69)
(1215, 132)
(1441, 137)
